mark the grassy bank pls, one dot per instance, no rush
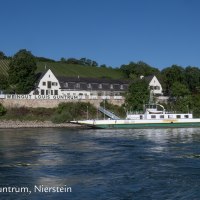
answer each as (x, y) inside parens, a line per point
(65, 112)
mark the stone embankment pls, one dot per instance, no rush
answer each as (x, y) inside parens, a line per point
(35, 124)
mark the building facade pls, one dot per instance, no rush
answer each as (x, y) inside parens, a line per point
(92, 88)
(88, 88)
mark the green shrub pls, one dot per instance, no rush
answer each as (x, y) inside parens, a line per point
(2, 110)
(66, 112)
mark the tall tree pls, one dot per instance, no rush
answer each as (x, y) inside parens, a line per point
(138, 69)
(2, 55)
(22, 71)
(172, 74)
(3, 82)
(179, 90)
(192, 76)
(137, 95)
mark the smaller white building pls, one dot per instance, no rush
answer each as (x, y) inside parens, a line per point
(154, 85)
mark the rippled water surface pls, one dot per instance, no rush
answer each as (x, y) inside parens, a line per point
(101, 164)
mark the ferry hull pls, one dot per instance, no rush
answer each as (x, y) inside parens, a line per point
(143, 126)
(120, 124)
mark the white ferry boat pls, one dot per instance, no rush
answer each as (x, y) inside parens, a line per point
(154, 116)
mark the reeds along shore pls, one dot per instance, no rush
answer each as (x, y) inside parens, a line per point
(35, 124)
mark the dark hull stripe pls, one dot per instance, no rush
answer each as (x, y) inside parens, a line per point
(141, 126)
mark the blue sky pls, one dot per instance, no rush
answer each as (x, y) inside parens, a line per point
(112, 32)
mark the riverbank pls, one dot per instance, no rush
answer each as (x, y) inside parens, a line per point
(35, 124)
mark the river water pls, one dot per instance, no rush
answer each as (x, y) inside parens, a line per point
(100, 164)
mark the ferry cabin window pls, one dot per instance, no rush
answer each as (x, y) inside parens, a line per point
(161, 116)
(186, 116)
(151, 106)
(153, 116)
(178, 116)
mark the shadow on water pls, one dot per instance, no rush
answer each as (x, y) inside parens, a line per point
(102, 164)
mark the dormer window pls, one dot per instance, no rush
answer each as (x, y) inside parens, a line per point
(77, 85)
(44, 83)
(89, 85)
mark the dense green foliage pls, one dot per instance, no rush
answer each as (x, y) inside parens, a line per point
(2, 110)
(74, 111)
(25, 113)
(22, 71)
(82, 61)
(2, 55)
(3, 82)
(135, 70)
(137, 95)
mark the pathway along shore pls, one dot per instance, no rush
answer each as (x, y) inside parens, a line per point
(35, 124)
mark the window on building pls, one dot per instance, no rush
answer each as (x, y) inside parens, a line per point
(100, 86)
(47, 92)
(44, 83)
(156, 88)
(121, 87)
(42, 92)
(151, 87)
(77, 85)
(49, 84)
(111, 86)
(66, 85)
(55, 92)
(89, 85)
(54, 83)
(51, 92)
